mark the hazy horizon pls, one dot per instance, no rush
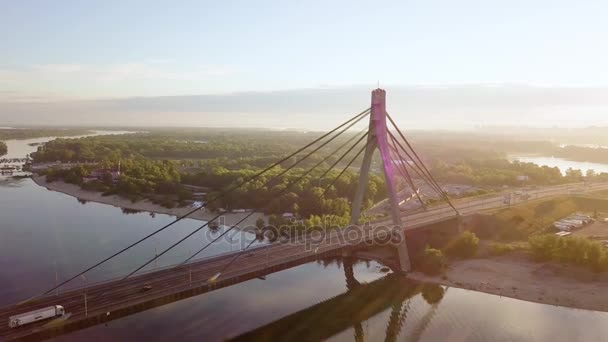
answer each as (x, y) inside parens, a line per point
(309, 65)
(417, 107)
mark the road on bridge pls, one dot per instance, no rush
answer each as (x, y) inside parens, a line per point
(472, 205)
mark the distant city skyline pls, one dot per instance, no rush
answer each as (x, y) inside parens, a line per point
(541, 60)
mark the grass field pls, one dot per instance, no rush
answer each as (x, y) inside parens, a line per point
(535, 217)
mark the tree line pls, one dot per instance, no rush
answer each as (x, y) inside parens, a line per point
(159, 163)
(143, 175)
(30, 133)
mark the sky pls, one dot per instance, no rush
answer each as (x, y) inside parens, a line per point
(277, 63)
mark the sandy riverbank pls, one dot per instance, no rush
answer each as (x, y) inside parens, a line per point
(145, 205)
(515, 276)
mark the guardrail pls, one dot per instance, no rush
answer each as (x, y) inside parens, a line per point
(195, 261)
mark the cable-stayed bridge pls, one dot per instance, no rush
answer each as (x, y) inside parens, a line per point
(400, 164)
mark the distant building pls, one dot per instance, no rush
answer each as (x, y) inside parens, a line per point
(523, 178)
(98, 174)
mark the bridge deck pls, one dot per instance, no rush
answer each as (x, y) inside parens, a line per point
(121, 298)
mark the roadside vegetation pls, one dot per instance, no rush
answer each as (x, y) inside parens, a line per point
(463, 246)
(527, 228)
(572, 249)
(3, 149)
(501, 248)
(519, 222)
(434, 260)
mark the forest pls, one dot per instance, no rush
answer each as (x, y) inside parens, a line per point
(580, 153)
(157, 165)
(498, 172)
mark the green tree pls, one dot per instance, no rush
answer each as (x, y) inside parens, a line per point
(463, 246)
(433, 261)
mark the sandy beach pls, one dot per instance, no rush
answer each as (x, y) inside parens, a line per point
(145, 205)
(515, 276)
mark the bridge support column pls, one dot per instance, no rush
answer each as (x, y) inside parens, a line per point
(461, 224)
(378, 138)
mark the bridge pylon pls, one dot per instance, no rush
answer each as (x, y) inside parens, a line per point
(378, 139)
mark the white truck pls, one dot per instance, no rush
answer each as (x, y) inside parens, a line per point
(36, 315)
(576, 223)
(562, 226)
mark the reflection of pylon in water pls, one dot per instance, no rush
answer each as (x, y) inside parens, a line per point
(377, 138)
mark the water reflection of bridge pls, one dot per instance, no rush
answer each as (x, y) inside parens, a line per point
(350, 309)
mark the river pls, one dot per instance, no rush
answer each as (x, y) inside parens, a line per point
(562, 164)
(45, 233)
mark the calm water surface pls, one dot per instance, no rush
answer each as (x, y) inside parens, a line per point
(562, 164)
(43, 233)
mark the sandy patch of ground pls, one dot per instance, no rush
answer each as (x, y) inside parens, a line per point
(595, 230)
(514, 275)
(145, 205)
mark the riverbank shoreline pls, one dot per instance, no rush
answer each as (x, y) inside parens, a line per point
(516, 276)
(75, 191)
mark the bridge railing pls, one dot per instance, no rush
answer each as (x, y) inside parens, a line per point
(158, 269)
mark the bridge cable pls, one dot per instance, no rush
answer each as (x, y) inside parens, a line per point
(416, 168)
(217, 275)
(399, 162)
(445, 196)
(286, 188)
(405, 174)
(221, 194)
(434, 185)
(363, 133)
(345, 168)
(235, 258)
(422, 165)
(343, 155)
(247, 216)
(323, 145)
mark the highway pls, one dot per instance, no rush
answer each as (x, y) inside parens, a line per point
(472, 205)
(112, 299)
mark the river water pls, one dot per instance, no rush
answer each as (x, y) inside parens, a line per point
(560, 163)
(45, 233)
